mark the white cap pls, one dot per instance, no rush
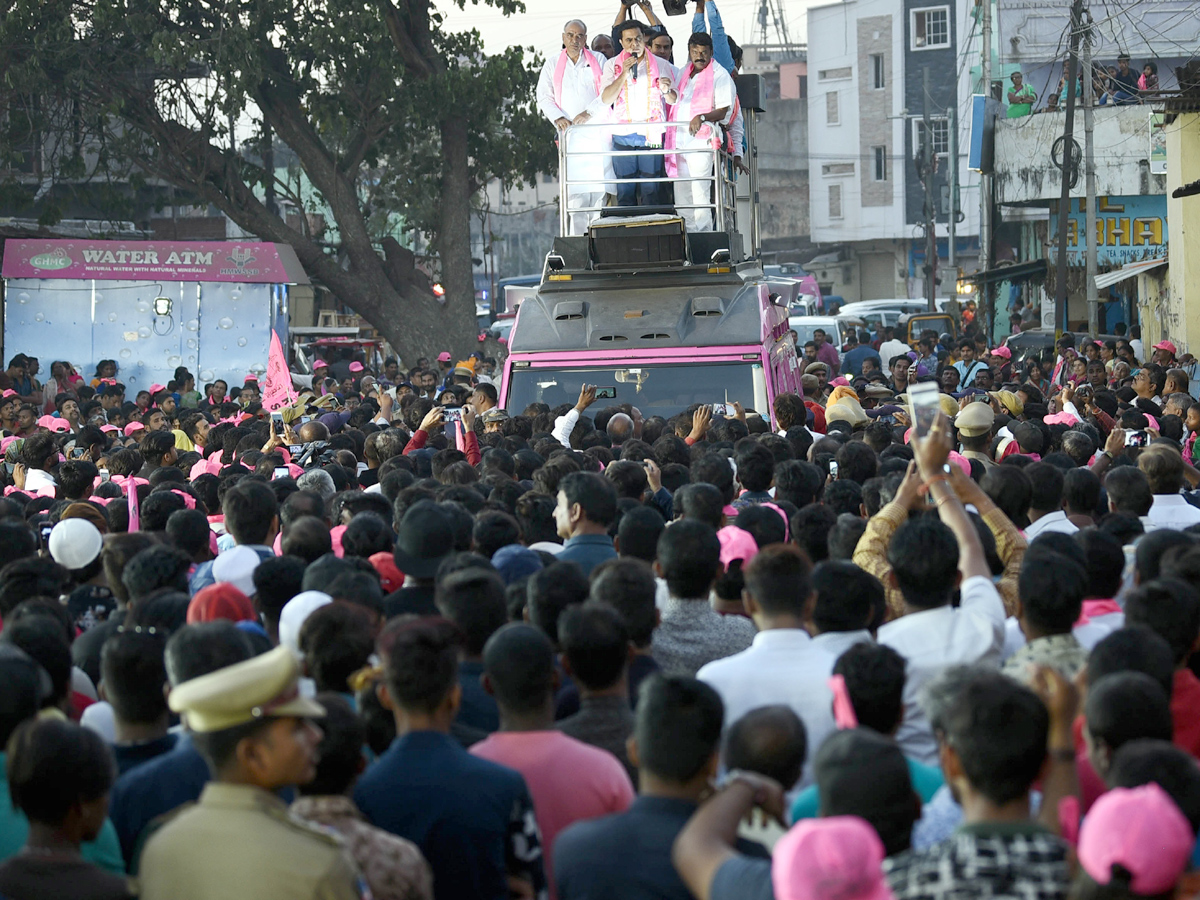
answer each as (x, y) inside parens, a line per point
(237, 566)
(294, 614)
(74, 543)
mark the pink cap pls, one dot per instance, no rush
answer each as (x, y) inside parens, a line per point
(822, 859)
(959, 460)
(356, 366)
(390, 577)
(4, 442)
(1002, 352)
(736, 543)
(132, 427)
(1140, 829)
(155, 388)
(335, 538)
(251, 378)
(318, 362)
(10, 393)
(444, 356)
(109, 429)
(1062, 418)
(840, 381)
(1165, 345)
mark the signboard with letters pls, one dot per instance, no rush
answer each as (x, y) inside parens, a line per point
(1128, 229)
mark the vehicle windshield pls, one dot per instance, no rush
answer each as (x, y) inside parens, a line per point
(804, 331)
(657, 390)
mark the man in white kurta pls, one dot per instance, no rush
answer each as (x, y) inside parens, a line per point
(568, 93)
(706, 98)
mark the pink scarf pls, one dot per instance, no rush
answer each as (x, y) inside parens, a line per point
(702, 102)
(561, 68)
(654, 110)
(737, 109)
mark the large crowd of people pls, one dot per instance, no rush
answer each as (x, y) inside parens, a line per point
(395, 641)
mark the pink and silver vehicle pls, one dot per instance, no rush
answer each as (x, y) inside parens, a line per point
(668, 318)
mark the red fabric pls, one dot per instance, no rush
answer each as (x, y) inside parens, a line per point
(390, 577)
(818, 412)
(471, 443)
(220, 601)
(1185, 710)
(417, 441)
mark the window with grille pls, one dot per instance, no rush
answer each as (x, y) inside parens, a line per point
(941, 136)
(832, 110)
(881, 163)
(835, 201)
(878, 72)
(931, 28)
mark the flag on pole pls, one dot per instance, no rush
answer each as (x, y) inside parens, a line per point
(277, 387)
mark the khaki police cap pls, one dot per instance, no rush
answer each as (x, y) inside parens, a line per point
(975, 420)
(265, 686)
(1011, 402)
(495, 414)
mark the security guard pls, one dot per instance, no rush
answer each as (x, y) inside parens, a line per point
(255, 730)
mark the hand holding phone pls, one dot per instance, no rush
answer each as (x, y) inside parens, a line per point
(452, 413)
(281, 472)
(925, 402)
(606, 393)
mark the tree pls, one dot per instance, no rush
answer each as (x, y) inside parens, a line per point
(381, 108)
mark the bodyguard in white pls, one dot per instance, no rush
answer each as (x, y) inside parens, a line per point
(568, 93)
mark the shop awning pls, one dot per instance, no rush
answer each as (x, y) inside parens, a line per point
(1129, 270)
(1013, 272)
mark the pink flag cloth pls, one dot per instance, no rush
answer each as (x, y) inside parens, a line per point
(277, 389)
(135, 519)
(843, 709)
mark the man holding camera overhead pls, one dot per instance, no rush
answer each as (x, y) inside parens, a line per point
(568, 93)
(639, 86)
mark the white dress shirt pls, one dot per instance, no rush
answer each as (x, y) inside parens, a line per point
(933, 639)
(1055, 521)
(723, 95)
(1170, 511)
(782, 666)
(889, 350)
(835, 643)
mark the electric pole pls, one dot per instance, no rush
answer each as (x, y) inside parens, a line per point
(985, 178)
(952, 221)
(1068, 146)
(1089, 174)
(930, 208)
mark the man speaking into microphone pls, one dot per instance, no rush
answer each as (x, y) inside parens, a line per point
(639, 86)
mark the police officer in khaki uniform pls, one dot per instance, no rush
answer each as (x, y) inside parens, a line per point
(256, 732)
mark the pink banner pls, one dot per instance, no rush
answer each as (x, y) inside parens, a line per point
(277, 386)
(246, 262)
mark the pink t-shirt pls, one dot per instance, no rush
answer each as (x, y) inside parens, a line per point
(568, 779)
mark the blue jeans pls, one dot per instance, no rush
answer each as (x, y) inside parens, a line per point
(645, 166)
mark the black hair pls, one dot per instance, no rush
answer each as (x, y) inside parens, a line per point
(276, 581)
(844, 536)
(75, 478)
(810, 530)
(340, 753)
(848, 598)
(158, 508)
(1145, 760)
(714, 469)
(923, 554)
(366, 534)
(196, 650)
(42, 638)
(700, 39)
(473, 599)
(1126, 706)
(778, 578)
(551, 591)
(250, 508)
(134, 673)
(359, 586)
(1046, 483)
(595, 641)
(158, 566)
(30, 577)
(755, 466)
(1134, 648)
(700, 501)
(1128, 490)
(307, 538)
(337, 640)
(1011, 490)
(998, 729)
(1051, 587)
(420, 661)
(798, 481)
(874, 675)
(595, 494)
(638, 532)
(1172, 608)
(493, 530)
(629, 587)
(678, 726)
(188, 530)
(689, 555)
(843, 497)
(53, 765)
(769, 740)
(519, 662)
(1105, 562)
(1153, 547)
(856, 462)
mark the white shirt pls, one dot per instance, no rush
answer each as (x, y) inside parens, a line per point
(579, 92)
(723, 95)
(936, 638)
(1055, 521)
(835, 643)
(1089, 635)
(639, 94)
(889, 350)
(1170, 511)
(36, 479)
(781, 667)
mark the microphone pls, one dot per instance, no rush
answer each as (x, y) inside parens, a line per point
(634, 73)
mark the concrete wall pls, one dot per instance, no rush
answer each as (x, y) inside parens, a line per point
(1025, 173)
(783, 175)
(1183, 166)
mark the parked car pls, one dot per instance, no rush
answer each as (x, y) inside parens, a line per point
(835, 327)
(1038, 341)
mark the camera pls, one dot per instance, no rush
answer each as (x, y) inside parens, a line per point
(1137, 439)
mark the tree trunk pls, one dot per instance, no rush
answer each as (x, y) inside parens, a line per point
(454, 242)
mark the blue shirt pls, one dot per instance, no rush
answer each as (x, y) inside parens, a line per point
(478, 708)
(588, 551)
(104, 851)
(721, 52)
(853, 360)
(148, 791)
(472, 819)
(627, 856)
(968, 370)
